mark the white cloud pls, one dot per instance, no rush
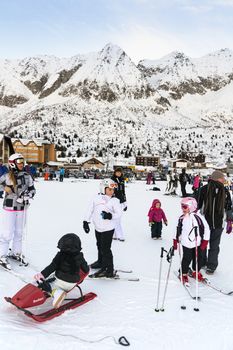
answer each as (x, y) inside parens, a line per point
(141, 42)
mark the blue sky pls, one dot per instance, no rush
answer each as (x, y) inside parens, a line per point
(143, 28)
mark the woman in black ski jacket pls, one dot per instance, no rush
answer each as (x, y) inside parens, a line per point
(119, 192)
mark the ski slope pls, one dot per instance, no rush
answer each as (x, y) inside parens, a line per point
(122, 307)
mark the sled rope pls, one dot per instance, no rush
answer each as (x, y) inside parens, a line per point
(121, 341)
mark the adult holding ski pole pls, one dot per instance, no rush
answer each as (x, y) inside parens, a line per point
(19, 188)
(214, 203)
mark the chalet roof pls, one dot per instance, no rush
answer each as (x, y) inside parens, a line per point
(38, 142)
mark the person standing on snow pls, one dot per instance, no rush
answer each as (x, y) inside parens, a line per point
(103, 210)
(192, 230)
(119, 192)
(3, 170)
(156, 216)
(19, 188)
(183, 178)
(215, 202)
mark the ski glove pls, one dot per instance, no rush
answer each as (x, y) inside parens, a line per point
(165, 222)
(175, 244)
(106, 216)
(125, 208)
(39, 277)
(204, 244)
(229, 226)
(86, 226)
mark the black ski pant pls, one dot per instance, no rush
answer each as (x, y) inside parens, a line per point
(189, 255)
(103, 242)
(183, 189)
(211, 261)
(156, 229)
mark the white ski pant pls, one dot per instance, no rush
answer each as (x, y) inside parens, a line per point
(60, 284)
(118, 233)
(11, 230)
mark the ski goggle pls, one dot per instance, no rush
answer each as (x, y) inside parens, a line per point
(112, 186)
(184, 206)
(19, 161)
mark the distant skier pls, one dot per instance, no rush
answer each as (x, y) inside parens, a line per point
(171, 183)
(69, 266)
(184, 179)
(104, 209)
(19, 188)
(190, 224)
(119, 192)
(156, 216)
(61, 174)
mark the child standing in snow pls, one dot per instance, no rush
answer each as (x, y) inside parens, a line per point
(156, 216)
(192, 230)
(103, 210)
(69, 266)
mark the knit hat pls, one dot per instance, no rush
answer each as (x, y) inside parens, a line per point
(216, 175)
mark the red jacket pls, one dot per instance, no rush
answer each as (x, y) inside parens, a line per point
(156, 214)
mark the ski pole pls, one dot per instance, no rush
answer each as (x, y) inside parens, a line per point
(196, 266)
(24, 238)
(160, 271)
(183, 307)
(169, 259)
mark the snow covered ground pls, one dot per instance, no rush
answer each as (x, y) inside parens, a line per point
(122, 307)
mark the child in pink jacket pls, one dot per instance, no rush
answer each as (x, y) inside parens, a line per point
(156, 216)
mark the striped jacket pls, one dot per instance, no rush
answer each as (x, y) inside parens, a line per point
(24, 187)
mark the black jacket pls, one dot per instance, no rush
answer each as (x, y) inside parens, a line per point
(215, 219)
(120, 190)
(67, 266)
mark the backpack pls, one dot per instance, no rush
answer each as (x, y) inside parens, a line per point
(199, 222)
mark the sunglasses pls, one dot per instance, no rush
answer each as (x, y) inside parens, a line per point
(184, 206)
(19, 161)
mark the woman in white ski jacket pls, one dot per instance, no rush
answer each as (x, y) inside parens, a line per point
(192, 230)
(18, 187)
(104, 209)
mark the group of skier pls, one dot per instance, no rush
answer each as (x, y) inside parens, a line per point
(69, 265)
(200, 224)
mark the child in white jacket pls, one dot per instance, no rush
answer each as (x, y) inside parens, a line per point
(192, 230)
(103, 210)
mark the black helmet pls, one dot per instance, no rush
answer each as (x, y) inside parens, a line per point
(69, 243)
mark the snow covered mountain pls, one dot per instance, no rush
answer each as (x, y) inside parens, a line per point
(102, 101)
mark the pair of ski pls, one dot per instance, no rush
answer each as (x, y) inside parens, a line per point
(117, 276)
(205, 282)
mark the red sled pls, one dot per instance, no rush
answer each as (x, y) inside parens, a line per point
(31, 296)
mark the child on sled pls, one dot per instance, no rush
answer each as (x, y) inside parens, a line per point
(69, 266)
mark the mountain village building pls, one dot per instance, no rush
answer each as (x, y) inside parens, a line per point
(5, 148)
(36, 151)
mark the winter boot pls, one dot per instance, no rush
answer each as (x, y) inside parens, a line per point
(185, 278)
(18, 257)
(96, 265)
(4, 262)
(99, 274)
(209, 271)
(58, 297)
(199, 276)
(110, 274)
